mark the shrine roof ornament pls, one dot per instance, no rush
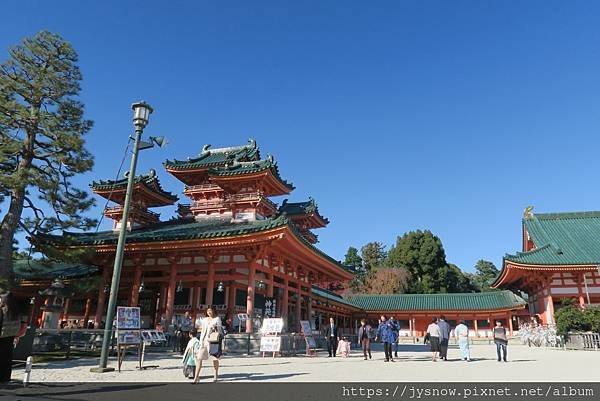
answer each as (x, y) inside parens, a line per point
(217, 157)
(149, 182)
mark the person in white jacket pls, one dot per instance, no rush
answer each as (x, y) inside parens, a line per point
(209, 350)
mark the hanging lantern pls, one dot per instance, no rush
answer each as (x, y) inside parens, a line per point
(179, 287)
(220, 287)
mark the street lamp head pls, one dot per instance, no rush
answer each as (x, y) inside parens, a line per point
(141, 114)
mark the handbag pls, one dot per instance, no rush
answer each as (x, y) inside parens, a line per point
(215, 336)
(215, 349)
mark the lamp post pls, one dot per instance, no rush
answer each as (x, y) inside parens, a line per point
(141, 113)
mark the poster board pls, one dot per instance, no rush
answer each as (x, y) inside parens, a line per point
(128, 337)
(306, 328)
(128, 318)
(270, 344)
(272, 325)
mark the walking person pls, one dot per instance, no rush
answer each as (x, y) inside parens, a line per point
(462, 333)
(501, 341)
(364, 337)
(331, 333)
(384, 333)
(444, 337)
(211, 339)
(185, 327)
(434, 338)
(395, 327)
(189, 355)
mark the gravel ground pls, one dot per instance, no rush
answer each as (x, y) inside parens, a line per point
(414, 364)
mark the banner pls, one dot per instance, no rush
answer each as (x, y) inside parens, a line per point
(270, 309)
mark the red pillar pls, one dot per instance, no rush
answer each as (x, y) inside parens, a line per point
(106, 273)
(86, 313)
(210, 284)
(171, 295)
(510, 324)
(475, 327)
(135, 288)
(231, 298)
(250, 297)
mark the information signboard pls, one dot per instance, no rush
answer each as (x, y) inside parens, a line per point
(128, 318)
(270, 344)
(272, 325)
(126, 337)
(306, 329)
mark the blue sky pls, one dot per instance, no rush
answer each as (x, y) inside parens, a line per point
(394, 115)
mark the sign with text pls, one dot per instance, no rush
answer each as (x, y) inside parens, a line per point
(128, 317)
(306, 329)
(272, 325)
(270, 309)
(128, 337)
(270, 344)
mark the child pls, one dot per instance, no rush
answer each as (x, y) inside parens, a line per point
(344, 347)
(189, 355)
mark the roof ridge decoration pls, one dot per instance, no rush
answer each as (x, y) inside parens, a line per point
(251, 145)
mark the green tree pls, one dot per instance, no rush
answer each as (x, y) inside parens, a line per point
(457, 281)
(422, 254)
(485, 274)
(354, 260)
(41, 141)
(373, 254)
(570, 317)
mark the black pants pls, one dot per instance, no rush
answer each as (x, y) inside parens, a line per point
(387, 348)
(443, 347)
(501, 351)
(184, 338)
(366, 346)
(6, 355)
(332, 345)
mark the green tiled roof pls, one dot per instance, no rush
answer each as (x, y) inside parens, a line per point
(330, 295)
(562, 239)
(37, 270)
(300, 208)
(173, 230)
(150, 180)
(217, 157)
(242, 168)
(185, 229)
(438, 302)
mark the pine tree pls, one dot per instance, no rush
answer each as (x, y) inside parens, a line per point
(41, 141)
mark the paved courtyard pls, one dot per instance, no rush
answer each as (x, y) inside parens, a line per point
(414, 364)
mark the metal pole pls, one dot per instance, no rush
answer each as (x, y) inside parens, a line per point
(114, 288)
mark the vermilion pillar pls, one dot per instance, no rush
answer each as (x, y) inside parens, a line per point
(135, 288)
(210, 284)
(250, 297)
(231, 298)
(510, 324)
(171, 295)
(270, 285)
(106, 273)
(475, 327)
(86, 313)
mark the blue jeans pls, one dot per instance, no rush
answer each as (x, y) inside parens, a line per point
(501, 349)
